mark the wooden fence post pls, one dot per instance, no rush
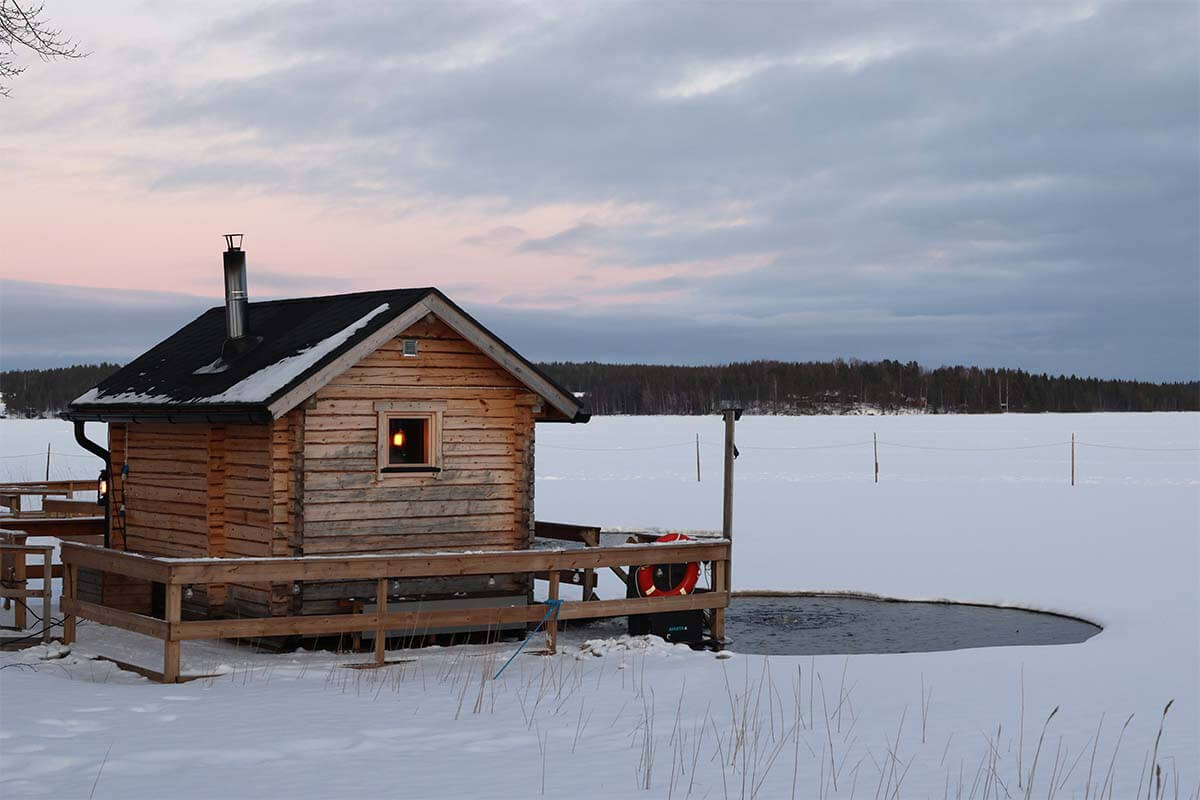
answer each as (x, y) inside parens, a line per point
(552, 622)
(697, 458)
(875, 442)
(1072, 459)
(380, 611)
(171, 646)
(48, 464)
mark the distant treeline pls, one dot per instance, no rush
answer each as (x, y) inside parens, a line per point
(833, 387)
(760, 387)
(37, 392)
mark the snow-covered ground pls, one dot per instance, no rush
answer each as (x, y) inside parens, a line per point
(984, 514)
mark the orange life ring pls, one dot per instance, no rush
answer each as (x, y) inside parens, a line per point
(691, 574)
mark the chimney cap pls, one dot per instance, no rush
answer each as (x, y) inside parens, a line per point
(233, 241)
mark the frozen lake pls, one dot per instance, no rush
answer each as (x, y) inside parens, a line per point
(971, 509)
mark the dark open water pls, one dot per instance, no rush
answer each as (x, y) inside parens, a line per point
(826, 625)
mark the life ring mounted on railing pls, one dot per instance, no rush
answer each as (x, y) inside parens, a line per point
(691, 573)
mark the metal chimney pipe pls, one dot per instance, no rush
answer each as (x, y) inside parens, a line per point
(235, 287)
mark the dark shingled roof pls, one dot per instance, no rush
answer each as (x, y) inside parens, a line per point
(298, 338)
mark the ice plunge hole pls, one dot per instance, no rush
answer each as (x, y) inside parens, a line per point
(807, 624)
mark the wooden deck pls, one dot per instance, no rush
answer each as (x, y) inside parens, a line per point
(11, 494)
(177, 573)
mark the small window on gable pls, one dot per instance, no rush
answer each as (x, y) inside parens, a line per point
(410, 348)
(409, 438)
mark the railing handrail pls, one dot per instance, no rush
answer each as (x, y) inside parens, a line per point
(172, 570)
(177, 572)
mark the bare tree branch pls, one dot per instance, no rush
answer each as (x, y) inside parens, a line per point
(22, 26)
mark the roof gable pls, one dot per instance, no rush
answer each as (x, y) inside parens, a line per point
(303, 344)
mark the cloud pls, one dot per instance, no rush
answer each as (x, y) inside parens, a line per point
(47, 325)
(503, 234)
(1009, 183)
(571, 239)
(1039, 339)
(283, 283)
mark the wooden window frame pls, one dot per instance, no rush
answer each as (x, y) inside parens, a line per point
(431, 411)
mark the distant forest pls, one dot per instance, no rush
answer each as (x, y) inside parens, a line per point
(37, 392)
(837, 387)
(760, 387)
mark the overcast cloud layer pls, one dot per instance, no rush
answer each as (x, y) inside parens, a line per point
(995, 183)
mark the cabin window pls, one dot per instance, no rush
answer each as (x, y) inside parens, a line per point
(409, 438)
(408, 441)
(410, 348)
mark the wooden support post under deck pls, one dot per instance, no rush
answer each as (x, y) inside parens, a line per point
(47, 589)
(552, 623)
(21, 583)
(70, 587)
(591, 538)
(381, 610)
(171, 647)
(6, 558)
(719, 577)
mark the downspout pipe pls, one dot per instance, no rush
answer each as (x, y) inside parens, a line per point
(96, 450)
(88, 444)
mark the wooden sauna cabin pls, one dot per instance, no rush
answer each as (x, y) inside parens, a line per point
(366, 423)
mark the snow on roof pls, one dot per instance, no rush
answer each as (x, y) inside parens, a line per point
(270, 379)
(255, 388)
(291, 341)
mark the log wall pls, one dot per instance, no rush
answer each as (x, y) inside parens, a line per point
(247, 510)
(118, 591)
(192, 489)
(482, 498)
(166, 489)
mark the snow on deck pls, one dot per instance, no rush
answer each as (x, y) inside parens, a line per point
(982, 522)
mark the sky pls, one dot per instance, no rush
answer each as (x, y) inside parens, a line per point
(1002, 184)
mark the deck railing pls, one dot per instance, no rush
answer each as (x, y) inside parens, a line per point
(14, 574)
(11, 494)
(177, 573)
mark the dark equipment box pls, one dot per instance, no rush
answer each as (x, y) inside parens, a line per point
(681, 627)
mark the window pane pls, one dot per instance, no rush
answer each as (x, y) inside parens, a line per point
(407, 441)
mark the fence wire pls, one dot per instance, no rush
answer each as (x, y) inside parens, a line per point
(881, 443)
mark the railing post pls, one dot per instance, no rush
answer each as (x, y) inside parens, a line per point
(589, 584)
(19, 581)
(381, 612)
(47, 589)
(591, 538)
(70, 588)
(171, 645)
(720, 572)
(552, 623)
(731, 415)
(6, 567)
